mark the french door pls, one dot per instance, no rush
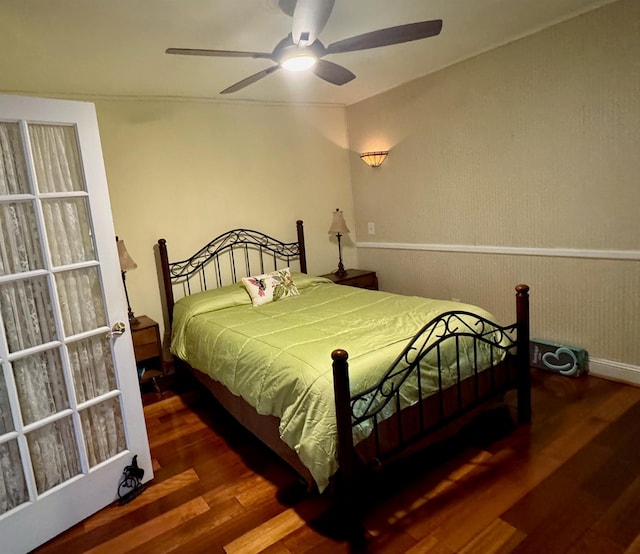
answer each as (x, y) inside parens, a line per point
(70, 410)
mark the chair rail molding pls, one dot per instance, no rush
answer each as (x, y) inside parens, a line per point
(633, 255)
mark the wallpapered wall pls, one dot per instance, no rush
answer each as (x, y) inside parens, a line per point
(533, 145)
(187, 171)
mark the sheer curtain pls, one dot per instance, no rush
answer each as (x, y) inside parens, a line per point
(27, 311)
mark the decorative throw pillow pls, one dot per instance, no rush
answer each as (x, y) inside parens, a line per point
(270, 286)
(284, 284)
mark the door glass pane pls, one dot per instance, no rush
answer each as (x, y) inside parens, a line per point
(81, 301)
(19, 242)
(6, 421)
(69, 230)
(13, 487)
(54, 454)
(56, 157)
(13, 172)
(103, 431)
(92, 367)
(26, 311)
(41, 386)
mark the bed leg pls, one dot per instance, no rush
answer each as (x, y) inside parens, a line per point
(348, 510)
(522, 359)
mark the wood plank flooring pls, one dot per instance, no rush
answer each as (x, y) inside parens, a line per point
(567, 483)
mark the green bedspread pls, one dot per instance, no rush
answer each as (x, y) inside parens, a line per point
(278, 356)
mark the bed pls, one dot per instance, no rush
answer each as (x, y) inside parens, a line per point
(338, 381)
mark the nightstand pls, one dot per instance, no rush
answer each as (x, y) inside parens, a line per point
(361, 278)
(145, 334)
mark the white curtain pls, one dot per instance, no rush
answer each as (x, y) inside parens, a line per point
(15, 256)
(28, 320)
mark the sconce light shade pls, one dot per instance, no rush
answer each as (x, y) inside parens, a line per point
(374, 159)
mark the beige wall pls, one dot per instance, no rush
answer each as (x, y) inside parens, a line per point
(535, 144)
(187, 171)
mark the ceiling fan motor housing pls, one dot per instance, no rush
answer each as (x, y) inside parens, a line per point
(286, 49)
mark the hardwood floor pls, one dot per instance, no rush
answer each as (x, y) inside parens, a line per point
(568, 483)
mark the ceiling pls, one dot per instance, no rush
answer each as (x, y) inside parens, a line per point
(105, 48)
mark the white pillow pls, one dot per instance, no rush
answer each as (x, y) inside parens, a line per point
(270, 286)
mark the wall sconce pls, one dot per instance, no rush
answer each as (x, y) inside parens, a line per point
(126, 264)
(374, 159)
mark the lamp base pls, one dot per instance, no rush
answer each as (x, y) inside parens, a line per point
(341, 271)
(133, 320)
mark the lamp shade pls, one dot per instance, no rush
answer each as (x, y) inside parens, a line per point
(126, 261)
(338, 225)
(374, 159)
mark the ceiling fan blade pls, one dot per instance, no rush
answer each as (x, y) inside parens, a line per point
(309, 18)
(332, 72)
(219, 53)
(251, 79)
(386, 37)
(287, 6)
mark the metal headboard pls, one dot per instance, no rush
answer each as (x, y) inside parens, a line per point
(226, 259)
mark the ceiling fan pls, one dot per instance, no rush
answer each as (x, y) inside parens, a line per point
(301, 48)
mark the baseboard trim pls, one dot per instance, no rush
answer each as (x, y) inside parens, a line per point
(615, 371)
(508, 250)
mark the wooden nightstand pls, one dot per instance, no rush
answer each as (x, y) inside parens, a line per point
(361, 278)
(148, 349)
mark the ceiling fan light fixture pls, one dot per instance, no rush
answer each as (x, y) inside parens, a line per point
(299, 62)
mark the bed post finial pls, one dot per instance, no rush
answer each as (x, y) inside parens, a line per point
(522, 357)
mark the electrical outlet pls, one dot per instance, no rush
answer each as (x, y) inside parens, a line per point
(371, 228)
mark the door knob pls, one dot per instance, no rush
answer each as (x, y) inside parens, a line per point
(118, 328)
